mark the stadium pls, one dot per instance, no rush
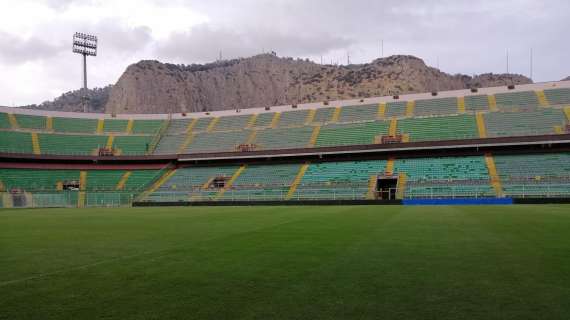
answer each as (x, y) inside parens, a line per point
(279, 188)
(489, 145)
(501, 146)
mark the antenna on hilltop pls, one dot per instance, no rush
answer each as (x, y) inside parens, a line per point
(85, 45)
(531, 64)
(507, 60)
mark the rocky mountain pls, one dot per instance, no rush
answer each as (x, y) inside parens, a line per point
(265, 80)
(566, 79)
(73, 101)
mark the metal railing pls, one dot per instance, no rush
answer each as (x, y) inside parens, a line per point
(66, 199)
(73, 199)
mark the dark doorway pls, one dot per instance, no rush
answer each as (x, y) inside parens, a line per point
(219, 182)
(386, 187)
(18, 198)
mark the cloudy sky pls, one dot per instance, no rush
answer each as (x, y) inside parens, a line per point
(461, 36)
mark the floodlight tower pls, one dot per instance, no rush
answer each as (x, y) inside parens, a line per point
(85, 45)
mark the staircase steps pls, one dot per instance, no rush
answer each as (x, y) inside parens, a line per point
(461, 104)
(100, 126)
(231, 181)
(381, 111)
(275, 120)
(410, 106)
(481, 125)
(314, 136)
(212, 124)
(310, 116)
(336, 115)
(492, 103)
(130, 125)
(495, 180)
(36, 143)
(542, 100)
(297, 181)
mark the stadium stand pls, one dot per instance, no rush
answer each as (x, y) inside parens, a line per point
(146, 126)
(516, 100)
(338, 180)
(74, 125)
(558, 96)
(263, 120)
(535, 175)
(132, 145)
(395, 109)
(334, 172)
(440, 177)
(283, 138)
(439, 128)
(261, 182)
(4, 122)
(293, 118)
(531, 122)
(351, 133)
(358, 113)
(31, 122)
(98, 180)
(115, 126)
(171, 144)
(16, 142)
(232, 123)
(476, 103)
(193, 183)
(435, 107)
(36, 180)
(323, 115)
(351, 124)
(178, 126)
(200, 125)
(71, 144)
(216, 141)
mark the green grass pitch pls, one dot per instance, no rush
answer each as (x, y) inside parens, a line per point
(353, 262)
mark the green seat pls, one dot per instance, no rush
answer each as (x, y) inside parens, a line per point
(77, 125)
(146, 126)
(68, 144)
(516, 100)
(283, 138)
(293, 118)
(477, 103)
(115, 126)
(558, 96)
(132, 145)
(395, 109)
(352, 133)
(229, 123)
(538, 122)
(31, 122)
(16, 142)
(440, 106)
(439, 128)
(359, 113)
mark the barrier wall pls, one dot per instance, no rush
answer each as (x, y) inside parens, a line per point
(463, 202)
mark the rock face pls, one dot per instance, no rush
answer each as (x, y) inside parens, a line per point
(266, 80)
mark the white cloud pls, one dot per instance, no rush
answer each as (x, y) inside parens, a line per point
(36, 62)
